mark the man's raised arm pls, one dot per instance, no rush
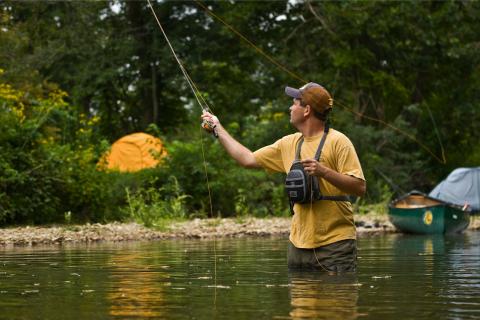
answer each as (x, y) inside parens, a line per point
(235, 149)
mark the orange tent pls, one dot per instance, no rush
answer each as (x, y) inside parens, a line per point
(133, 152)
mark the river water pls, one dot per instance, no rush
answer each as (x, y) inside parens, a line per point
(399, 277)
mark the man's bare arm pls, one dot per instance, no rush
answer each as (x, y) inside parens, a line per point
(235, 149)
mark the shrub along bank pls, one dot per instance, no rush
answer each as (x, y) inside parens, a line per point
(48, 169)
(405, 85)
(48, 172)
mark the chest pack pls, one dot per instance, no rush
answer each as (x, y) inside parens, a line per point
(300, 186)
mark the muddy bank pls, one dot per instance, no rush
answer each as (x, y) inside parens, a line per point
(198, 228)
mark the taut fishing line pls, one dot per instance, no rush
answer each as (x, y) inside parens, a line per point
(206, 125)
(409, 136)
(441, 159)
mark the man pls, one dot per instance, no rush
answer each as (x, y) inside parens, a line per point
(322, 232)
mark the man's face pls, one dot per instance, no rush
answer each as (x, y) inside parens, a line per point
(296, 112)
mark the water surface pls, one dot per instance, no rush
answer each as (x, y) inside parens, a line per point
(399, 277)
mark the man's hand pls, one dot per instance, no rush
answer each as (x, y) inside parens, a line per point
(313, 167)
(211, 120)
(346, 183)
(235, 149)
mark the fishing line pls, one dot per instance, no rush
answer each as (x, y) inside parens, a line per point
(204, 108)
(214, 236)
(184, 71)
(268, 57)
(37, 126)
(441, 159)
(409, 136)
(436, 132)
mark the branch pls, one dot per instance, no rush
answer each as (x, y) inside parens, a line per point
(319, 18)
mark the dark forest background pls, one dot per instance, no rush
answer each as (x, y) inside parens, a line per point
(77, 75)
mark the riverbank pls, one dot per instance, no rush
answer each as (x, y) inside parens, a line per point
(369, 224)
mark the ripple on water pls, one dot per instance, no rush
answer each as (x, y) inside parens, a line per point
(398, 277)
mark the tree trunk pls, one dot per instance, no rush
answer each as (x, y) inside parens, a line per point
(154, 94)
(136, 16)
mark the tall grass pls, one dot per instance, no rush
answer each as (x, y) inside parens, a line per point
(154, 207)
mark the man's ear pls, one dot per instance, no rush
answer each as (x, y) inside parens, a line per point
(307, 110)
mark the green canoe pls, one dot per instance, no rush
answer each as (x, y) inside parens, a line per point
(415, 212)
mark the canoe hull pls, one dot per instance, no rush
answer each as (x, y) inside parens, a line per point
(430, 220)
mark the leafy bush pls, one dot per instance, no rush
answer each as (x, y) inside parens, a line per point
(152, 206)
(48, 173)
(48, 155)
(233, 189)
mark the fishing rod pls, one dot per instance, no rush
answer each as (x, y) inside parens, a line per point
(206, 124)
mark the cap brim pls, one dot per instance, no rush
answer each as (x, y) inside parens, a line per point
(292, 92)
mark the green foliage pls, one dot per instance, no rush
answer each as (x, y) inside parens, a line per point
(47, 161)
(231, 189)
(377, 208)
(153, 206)
(400, 63)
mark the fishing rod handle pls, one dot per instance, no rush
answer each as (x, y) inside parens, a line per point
(209, 126)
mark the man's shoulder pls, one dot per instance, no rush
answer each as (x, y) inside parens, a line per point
(339, 140)
(291, 137)
(286, 142)
(339, 136)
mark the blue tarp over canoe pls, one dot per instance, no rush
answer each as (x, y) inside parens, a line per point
(461, 187)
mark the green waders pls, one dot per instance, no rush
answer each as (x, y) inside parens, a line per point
(336, 257)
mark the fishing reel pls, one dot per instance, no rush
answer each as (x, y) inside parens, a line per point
(209, 126)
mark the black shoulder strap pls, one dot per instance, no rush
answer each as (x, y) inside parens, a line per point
(322, 142)
(317, 157)
(299, 147)
(335, 198)
(320, 145)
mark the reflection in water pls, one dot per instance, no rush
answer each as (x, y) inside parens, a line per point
(318, 295)
(420, 276)
(402, 277)
(136, 290)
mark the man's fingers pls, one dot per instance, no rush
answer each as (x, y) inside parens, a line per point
(209, 117)
(311, 164)
(206, 114)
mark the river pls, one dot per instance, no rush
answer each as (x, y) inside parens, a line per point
(399, 277)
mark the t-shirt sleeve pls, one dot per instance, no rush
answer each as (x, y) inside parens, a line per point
(270, 157)
(348, 162)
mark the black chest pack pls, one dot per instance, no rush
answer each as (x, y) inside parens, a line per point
(300, 186)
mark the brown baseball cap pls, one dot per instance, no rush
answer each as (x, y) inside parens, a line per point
(312, 94)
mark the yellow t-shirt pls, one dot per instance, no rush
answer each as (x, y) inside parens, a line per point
(322, 222)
